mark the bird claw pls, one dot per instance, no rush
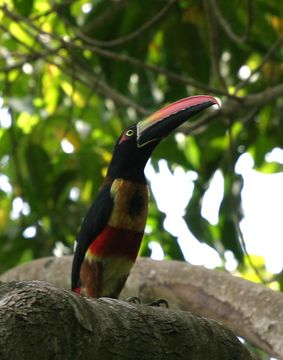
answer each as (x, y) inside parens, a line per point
(159, 303)
(133, 300)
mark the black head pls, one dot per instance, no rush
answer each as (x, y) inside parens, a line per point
(128, 160)
(137, 142)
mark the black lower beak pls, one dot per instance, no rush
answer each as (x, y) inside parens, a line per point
(164, 121)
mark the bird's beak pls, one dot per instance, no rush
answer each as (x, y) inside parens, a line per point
(164, 121)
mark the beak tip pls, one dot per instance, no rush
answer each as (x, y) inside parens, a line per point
(216, 102)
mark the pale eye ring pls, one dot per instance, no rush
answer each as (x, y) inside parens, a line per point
(130, 132)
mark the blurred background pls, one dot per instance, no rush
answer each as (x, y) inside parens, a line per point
(74, 74)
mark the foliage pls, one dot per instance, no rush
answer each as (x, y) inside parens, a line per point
(73, 74)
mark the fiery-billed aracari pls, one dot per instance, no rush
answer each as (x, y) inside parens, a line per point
(112, 231)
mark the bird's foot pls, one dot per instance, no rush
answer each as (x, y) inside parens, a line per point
(159, 303)
(133, 300)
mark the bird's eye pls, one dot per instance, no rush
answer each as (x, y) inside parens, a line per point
(129, 133)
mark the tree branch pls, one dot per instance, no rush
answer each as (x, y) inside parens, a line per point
(214, 53)
(102, 52)
(101, 86)
(277, 44)
(76, 328)
(131, 36)
(242, 306)
(146, 66)
(233, 106)
(226, 26)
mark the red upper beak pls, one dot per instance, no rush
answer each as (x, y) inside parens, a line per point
(164, 121)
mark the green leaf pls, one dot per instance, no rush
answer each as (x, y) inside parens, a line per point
(230, 238)
(23, 7)
(169, 150)
(230, 212)
(61, 183)
(198, 225)
(39, 170)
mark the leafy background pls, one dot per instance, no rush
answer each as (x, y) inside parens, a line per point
(74, 74)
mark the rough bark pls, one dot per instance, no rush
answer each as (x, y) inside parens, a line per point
(250, 310)
(39, 321)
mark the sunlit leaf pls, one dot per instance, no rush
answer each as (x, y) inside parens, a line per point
(50, 87)
(4, 213)
(72, 93)
(26, 122)
(277, 23)
(19, 33)
(270, 168)
(259, 264)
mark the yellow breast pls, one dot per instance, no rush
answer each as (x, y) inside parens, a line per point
(130, 205)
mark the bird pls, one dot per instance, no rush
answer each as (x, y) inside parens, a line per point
(111, 233)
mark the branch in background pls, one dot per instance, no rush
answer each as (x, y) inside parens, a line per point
(54, 8)
(277, 44)
(233, 106)
(71, 43)
(230, 106)
(146, 66)
(264, 97)
(250, 115)
(106, 53)
(235, 217)
(19, 182)
(226, 26)
(135, 34)
(30, 25)
(6, 30)
(213, 41)
(70, 115)
(101, 87)
(71, 109)
(18, 186)
(33, 55)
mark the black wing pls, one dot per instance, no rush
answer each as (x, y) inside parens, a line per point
(94, 222)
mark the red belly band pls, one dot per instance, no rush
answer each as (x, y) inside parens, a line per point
(116, 242)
